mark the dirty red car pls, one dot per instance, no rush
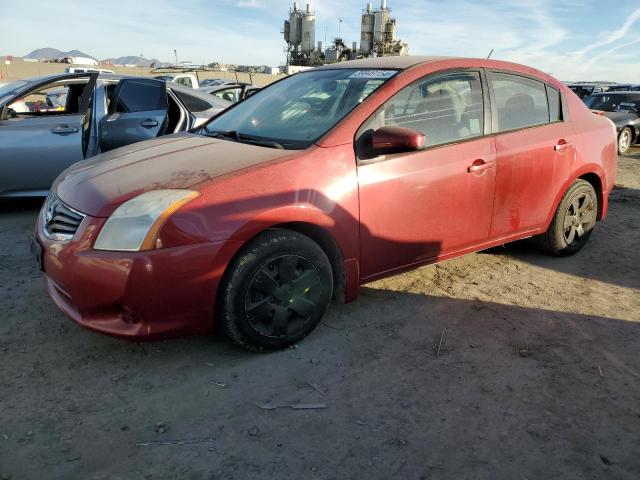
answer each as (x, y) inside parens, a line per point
(317, 184)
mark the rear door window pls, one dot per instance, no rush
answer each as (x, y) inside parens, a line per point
(520, 101)
(139, 95)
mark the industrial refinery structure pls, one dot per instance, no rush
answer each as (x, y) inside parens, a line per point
(377, 38)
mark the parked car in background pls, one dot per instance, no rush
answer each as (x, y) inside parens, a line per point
(627, 87)
(316, 184)
(48, 123)
(584, 89)
(186, 79)
(623, 109)
(180, 75)
(232, 92)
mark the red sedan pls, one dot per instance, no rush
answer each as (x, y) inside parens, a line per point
(319, 183)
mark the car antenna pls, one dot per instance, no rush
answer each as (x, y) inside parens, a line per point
(490, 53)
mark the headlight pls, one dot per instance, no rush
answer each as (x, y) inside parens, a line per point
(136, 223)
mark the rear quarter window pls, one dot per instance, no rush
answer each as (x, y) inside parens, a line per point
(555, 104)
(192, 102)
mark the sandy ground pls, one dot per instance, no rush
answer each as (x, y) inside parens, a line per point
(537, 377)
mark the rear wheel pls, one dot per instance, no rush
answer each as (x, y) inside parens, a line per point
(275, 291)
(573, 221)
(624, 140)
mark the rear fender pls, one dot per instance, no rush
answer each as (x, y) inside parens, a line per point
(579, 172)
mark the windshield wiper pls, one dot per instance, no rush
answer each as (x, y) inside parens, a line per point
(235, 136)
(232, 134)
(262, 143)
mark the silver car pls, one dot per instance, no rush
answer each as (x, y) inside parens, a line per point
(100, 113)
(231, 92)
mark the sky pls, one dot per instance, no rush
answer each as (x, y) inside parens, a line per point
(570, 39)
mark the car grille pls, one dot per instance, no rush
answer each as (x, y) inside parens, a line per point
(59, 221)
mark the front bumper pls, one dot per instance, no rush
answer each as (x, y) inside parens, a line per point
(138, 295)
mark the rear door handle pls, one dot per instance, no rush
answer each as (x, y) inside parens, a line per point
(64, 129)
(479, 166)
(148, 123)
(562, 145)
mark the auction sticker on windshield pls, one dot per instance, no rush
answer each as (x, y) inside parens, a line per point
(373, 74)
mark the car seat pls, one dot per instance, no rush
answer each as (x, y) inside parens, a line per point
(440, 122)
(518, 111)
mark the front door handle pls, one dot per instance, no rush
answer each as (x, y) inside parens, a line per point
(148, 123)
(563, 145)
(64, 130)
(479, 166)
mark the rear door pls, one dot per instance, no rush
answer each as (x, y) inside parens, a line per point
(535, 151)
(137, 111)
(37, 144)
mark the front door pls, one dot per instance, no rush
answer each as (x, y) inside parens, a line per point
(420, 205)
(42, 139)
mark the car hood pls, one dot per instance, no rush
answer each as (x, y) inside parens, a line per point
(97, 187)
(620, 118)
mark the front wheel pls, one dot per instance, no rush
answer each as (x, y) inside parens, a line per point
(275, 291)
(624, 140)
(573, 221)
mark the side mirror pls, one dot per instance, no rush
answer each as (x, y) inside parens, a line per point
(393, 139)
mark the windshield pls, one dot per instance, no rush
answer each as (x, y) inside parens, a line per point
(298, 110)
(614, 103)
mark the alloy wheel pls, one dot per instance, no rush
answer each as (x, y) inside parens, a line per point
(579, 217)
(282, 296)
(624, 142)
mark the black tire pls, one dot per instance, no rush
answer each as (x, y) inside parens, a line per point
(573, 221)
(280, 277)
(625, 139)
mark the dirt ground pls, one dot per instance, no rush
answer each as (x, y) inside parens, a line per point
(19, 69)
(537, 376)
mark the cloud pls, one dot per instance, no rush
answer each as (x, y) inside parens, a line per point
(555, 36)
(613, 36)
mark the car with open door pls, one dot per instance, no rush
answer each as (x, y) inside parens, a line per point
(318, 183)
(49, 123)
(232, 92)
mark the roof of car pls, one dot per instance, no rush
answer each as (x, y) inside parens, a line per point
(396, 63)
(225, 86)
(619, 92)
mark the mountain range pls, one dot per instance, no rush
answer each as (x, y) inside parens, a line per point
(51, 53)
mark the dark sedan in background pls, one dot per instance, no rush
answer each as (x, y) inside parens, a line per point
(584, 89)
(94, 114)
(623, 109)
